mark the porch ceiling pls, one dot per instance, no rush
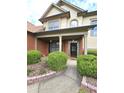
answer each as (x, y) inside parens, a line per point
(65, 32)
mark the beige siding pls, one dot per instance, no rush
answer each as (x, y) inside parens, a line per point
(91, 41)
(53, 11)
(73, 15)
(64, 23)
(86, 20)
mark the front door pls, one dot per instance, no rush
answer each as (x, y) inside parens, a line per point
(73, 49)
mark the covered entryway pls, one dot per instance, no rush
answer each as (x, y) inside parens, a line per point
(73, 41)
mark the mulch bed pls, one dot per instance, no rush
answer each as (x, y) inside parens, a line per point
(37, 69)
(91, 81)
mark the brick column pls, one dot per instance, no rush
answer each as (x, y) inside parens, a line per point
(35, 43)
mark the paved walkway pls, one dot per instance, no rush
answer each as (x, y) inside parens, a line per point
(66, 83)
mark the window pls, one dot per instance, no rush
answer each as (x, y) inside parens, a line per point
(53, 46)
(54, 24)
(93, 32)
(74, 23)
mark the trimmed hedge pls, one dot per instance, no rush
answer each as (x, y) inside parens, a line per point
(87, 65)
(57, 60)
(92, 52)
(33, 57)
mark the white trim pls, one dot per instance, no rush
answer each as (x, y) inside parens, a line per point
(60, 43)
(67, 34)
(72, 21)
(85, 44)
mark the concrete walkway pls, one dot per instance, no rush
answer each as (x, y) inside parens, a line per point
(65, 83)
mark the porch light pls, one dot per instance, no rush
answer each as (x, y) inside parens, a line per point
(73, 41)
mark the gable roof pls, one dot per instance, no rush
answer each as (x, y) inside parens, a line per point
(70, 4)
(50, 7)
(32, 28)
(61, 15)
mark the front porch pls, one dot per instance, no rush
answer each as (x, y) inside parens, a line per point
(72, 41)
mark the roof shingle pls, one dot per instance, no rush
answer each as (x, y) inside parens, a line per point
(32, 28)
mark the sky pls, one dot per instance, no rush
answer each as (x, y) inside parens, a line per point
(36, 8)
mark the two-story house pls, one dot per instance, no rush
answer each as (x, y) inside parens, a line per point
(67, 28)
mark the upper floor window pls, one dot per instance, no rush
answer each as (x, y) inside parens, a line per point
(74, 23)
(53, 24)
(93, 31)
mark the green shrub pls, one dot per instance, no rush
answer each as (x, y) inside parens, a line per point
(82, 91)
(57, 60)
(92, 52)
(33, 56)
(87, 65)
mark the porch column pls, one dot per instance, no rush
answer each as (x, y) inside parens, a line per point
(85, 44)
(36, 43)
(60, 43)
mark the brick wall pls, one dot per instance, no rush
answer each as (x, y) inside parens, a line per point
(43, 46)
(30, 41)
(65, 46)
(81, 45)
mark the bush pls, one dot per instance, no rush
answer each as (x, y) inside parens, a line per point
(57, 60)
(33, 56)
(92, 52)
(82, 91)
(87, 65)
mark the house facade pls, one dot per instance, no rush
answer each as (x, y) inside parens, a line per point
(66, 28)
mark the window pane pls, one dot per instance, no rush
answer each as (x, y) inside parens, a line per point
(74, 23)
(54, 24)
(93, 30)
(54, 46)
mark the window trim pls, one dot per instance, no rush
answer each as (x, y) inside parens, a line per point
(72, 21)
(50, 21)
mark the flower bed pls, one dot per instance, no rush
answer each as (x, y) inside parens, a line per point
(37, 69)
(89, 84)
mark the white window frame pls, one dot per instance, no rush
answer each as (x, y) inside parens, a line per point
(73, 21)
(51, 22)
